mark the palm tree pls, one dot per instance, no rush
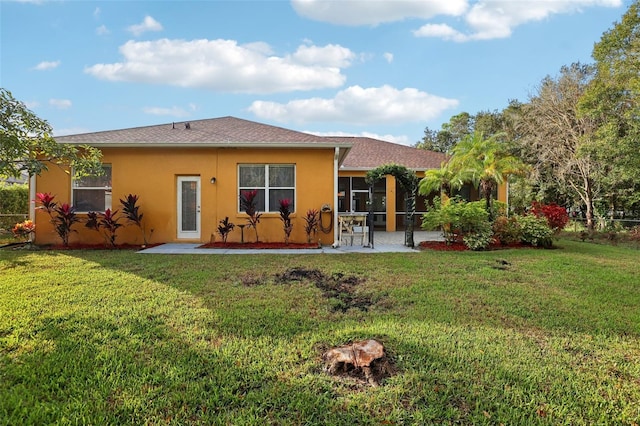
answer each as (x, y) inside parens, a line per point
(484, 162)
(443, 180)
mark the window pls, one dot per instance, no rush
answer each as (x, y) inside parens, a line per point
(93, 193)
(274, 182)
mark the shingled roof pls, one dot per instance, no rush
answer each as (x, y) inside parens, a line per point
(224, 131)
(368, 153)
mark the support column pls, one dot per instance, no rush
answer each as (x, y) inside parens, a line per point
(390, 202)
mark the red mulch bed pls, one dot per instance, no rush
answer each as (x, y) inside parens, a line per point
(79, 246)
(459, 246)
(260, 245)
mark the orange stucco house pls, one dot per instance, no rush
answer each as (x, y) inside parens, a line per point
(189, 177)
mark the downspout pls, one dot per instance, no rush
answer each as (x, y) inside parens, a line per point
(336, 155)
(32, 202)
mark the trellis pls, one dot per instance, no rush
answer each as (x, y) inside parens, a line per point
(409, 181)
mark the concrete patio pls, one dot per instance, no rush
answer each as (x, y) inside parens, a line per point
(384, 242)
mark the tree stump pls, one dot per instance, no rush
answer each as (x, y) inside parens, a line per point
(357, 356)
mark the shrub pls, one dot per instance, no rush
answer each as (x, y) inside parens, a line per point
(107, 221)
(311, 223)
(556, 216)
(132, 213)
(14, 199)
(23, 230)
(248, 204)
(62, 217)
(285, 216)
(224, 228)
(536, 231)
(457, 219)
(480, 238)
(507, 230)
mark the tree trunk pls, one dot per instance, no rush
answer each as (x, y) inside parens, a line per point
(588, 186)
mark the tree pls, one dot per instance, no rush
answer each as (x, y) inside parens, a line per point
(26, 144)
(443, 180)
(612, 100)
(486, 162)
(555, 137)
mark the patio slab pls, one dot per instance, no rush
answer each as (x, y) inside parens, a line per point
(384, 242)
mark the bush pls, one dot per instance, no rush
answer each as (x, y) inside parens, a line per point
(480, 238)
(507, 230)
(14, 200)
(459, 219)
(557, 217)
(536, 231)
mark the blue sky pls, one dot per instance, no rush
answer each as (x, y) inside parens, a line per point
(379, 68)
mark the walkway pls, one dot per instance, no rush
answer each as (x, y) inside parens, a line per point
(384, 242)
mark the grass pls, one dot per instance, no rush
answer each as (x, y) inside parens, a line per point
(505, 337)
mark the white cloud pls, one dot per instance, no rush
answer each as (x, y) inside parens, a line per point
(102, 30)
(374, 12)
(46, 65)
(173, 111)
(388, 57)
(32, 104)
(96, 12)
(148, 24)
(357, 105)
(330, 55)
(401, 140)
(492, 19)
(60, 103)
(483, 19)
(224, 65)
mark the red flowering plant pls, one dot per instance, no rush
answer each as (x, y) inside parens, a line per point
(285, 216)
(107, 221)
(22, 230)
(248, 204)
(311, 223)
(62, 217)
(556, 216)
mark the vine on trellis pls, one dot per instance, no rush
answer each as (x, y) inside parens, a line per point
(409, 181)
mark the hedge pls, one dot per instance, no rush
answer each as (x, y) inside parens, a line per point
(14, 200)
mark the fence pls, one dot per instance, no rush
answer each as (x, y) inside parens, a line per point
(602, 224)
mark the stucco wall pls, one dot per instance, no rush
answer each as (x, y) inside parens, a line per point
(151, 173)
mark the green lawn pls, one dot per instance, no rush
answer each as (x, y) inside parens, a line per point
(512, 337)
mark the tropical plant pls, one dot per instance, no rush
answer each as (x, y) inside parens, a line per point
(131, 212)
(248, 204)
(311, 223)
(442, 180)
(224, 228)
(62, 217)
(486, 162)
(110, 223)
(23, 230)
(285, 216)
(457, 219)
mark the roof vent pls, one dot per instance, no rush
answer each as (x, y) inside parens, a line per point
(187, 125)
(173, 125)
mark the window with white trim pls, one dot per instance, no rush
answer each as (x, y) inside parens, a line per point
(274, 182)
(92, 193)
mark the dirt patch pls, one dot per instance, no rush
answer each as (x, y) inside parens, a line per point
(341, 290)
(259, 245)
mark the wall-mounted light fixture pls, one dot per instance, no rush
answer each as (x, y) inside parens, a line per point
(213, 180)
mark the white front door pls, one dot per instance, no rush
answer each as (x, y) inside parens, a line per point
(189, 207)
